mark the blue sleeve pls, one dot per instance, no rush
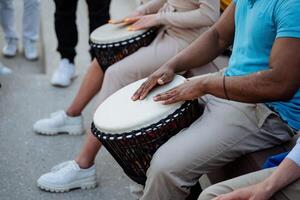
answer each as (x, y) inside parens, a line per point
(294, 155)
(235, 1)
(287, 18)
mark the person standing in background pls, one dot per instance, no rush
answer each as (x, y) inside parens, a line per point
(31, 26)
(67, 34)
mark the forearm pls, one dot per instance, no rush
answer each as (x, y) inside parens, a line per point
(202, 51)
(151, 7)
(264, 86)
(287, 172)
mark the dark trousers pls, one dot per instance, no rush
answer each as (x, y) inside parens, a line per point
(65, 23)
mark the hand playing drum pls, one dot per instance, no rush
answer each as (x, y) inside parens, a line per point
(125, 19)
(161, 76)
(190, 89)
(138, 21)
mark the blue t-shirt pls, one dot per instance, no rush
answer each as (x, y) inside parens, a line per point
(258, 23)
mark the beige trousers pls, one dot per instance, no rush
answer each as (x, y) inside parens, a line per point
(144, 62)
(291, 192)
(225, 131)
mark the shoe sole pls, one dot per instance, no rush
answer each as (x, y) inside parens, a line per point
(9, 56)
(84, 184)
(64, 86)
(30, 59)
(56, 132)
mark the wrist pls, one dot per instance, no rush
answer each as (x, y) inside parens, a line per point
(171, 66)
(270, 188)
(205, 82)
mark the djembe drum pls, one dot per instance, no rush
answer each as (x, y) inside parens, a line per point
(111, 43)
(133, 130)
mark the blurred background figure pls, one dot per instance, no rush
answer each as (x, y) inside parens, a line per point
(4, 70)
(67, 35)
(31, 22)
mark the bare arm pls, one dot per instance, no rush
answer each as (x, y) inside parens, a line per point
(279, 83)
(208, 46)
(287, 172)
(205, 49)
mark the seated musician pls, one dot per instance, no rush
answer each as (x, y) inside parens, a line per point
(254, 104)
(281, 183)
(181, 23)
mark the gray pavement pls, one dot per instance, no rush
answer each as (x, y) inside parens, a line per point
(27, 96)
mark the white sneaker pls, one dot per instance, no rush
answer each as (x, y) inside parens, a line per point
(30, 49)
(64, 74)
(59, 122)
(68, 177)
(4, 70)
(10, 48)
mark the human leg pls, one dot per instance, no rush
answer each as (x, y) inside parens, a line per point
(31, 19)
(65, 28)
(98, 12)
(71, 121)
(67, 37)
(224, 132)
(7, 21)
(89, 88)
(31, 28)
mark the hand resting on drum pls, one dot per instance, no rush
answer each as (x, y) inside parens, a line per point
(160, 77)
(189, 90)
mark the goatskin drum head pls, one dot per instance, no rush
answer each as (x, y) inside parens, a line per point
(120, 114)
(112, 33)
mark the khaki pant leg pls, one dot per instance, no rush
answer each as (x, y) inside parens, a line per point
(225, 131)
(291, 192)
(139, 64)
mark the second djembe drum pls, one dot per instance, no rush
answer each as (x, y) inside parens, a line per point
(111, 43)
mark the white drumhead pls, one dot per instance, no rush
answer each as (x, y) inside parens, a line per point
(119, 114)
(110, 33)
